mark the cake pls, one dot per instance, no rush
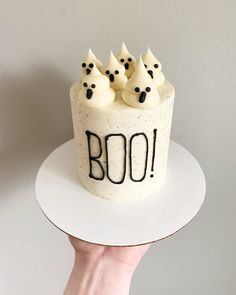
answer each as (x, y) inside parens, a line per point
(122, 113)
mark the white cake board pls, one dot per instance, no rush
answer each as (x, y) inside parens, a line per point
(79, 213)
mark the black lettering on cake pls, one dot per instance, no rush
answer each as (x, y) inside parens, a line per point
(130, 156)
(107, 157)
(153, 151)
(94, 158)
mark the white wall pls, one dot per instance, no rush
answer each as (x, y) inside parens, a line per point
(42, 46)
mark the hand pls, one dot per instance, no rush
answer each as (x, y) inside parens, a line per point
(128, 256)
(102, 269)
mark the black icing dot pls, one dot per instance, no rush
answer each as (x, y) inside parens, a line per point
(91, 65)
(122, 60)
(129, 59)
(93, 85)
(85, 84)
(148, 89)
(145, 66)
(116, 72)
(83, 64)
(137, 89)
(107, 72)
(156, 66)
(151, 175)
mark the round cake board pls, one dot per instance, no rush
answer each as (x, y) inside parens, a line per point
(79, 213)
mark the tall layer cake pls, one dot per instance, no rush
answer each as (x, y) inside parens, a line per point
(122, 115)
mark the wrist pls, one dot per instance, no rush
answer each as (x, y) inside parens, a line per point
(102, 275)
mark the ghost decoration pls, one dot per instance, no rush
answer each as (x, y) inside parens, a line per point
(116, 73)
(140, 91)
(153, 67)
(127, 60)
(95, 90)
(90, 61)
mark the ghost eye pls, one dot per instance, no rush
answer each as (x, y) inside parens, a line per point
(129, 59)
(148, 89)
(83, 64)
(93, 85)
(137, 89)
(122, 60)
(91, 66)
(85, 84)
(145, 66)
(156, 66)
(107, 72)
(116, 72)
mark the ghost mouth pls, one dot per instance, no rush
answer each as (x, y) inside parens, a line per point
(89, 93)
(142, 96)
(126, 66)
(150, 73)
(111, 77)
(88, 71)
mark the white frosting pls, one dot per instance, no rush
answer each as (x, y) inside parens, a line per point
(115, 72)
(122, 137)
(87, 65)
(153, 67)
(126, 59)
(95, 90)
(140, 91)
(119, 118)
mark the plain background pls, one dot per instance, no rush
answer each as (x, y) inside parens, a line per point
(43, 44)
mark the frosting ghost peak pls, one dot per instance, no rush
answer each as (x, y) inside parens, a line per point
(90, 61)
(140, 91)
(115, 72)
(98, 77)
(151, 59)
(124, 50)
(140, 77)
(126, 59)
(153, 67)
(95, 90)
(113, 62)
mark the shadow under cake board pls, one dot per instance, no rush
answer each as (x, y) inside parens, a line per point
(77, 212)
